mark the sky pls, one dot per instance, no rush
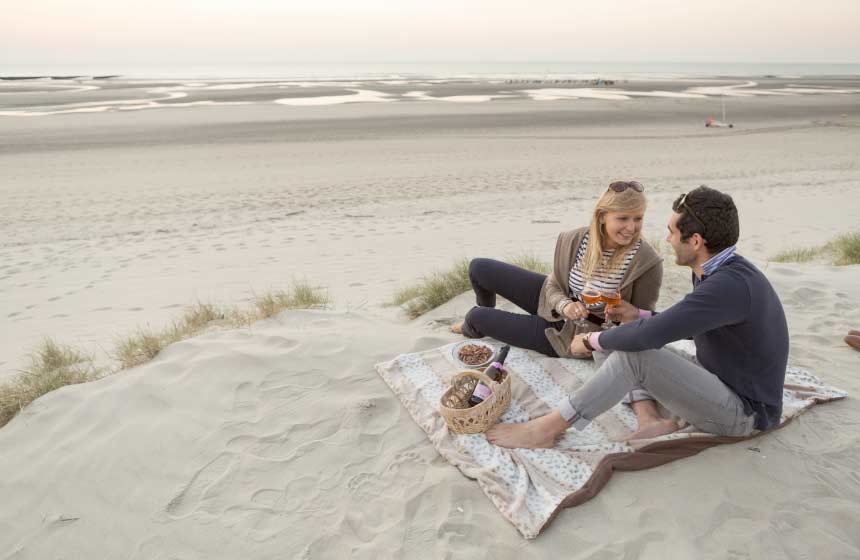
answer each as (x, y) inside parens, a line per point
(68, 32)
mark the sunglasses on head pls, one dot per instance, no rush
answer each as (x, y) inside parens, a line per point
(621, 186)
(683, 203)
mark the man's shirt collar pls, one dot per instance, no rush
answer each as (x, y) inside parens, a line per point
(714, 262)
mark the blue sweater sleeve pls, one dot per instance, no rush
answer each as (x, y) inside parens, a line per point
(722, 299)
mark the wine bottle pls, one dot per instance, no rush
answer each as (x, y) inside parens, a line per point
(493, 371)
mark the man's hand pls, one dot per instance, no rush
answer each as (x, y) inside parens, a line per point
(623, 312)
(575, 310)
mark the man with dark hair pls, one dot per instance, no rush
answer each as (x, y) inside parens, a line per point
(715, 212)
(735, 318)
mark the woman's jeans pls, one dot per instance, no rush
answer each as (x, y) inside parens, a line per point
(522, 287)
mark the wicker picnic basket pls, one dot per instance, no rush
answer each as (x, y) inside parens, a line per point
(465, 419)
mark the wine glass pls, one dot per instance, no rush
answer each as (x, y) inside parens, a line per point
(590, 296)
(609, 297)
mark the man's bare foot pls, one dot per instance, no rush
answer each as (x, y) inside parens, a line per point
(457, 328)
(654, 428)
(534, 434)
(853, 339)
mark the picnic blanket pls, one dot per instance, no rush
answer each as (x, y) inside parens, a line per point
(530, 486)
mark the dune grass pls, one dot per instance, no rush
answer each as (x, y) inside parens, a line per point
(846, 249)
(143, 345)
(53, 366)
(799, 255)
(842, 250)
(439, 287)
(434, 290)
(531, 262)
(302, 296)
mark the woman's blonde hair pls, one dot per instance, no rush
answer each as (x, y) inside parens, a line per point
(628, 200)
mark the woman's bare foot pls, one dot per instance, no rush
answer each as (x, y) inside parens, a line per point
(853, 339)
(534, 434)
(457, 328)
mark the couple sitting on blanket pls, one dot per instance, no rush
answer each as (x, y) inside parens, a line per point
(733, 388)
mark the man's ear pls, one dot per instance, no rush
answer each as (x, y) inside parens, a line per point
(698, 240)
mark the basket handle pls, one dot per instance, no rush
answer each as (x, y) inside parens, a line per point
(475, 373)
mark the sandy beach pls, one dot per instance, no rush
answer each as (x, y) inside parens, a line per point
(280, 440)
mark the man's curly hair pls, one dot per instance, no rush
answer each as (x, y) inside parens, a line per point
(711, 214)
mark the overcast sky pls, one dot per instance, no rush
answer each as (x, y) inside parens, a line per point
(175, 31)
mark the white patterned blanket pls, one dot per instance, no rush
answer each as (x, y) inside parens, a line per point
(530, 486)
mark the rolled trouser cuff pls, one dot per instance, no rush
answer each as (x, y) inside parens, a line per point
(570, 414)
(637, 395)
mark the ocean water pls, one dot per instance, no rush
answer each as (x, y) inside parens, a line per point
(440, 70)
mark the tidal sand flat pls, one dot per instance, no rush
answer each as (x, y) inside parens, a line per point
(120, 209)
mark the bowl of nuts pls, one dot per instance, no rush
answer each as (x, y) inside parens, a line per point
(474, 354)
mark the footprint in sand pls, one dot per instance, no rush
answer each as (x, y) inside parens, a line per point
(380, 508)
(246, 402)
(188, 499)
(300, 493)
(373, 417)
(267, 497)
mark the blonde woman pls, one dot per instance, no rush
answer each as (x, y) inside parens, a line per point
(609, 253)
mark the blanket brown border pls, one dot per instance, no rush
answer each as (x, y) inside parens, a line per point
(654, 455)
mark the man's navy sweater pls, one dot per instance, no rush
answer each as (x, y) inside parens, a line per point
(738, 324)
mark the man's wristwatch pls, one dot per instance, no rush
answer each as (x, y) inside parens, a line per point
(586, 343)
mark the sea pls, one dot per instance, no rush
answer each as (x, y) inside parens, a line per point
(434, 70)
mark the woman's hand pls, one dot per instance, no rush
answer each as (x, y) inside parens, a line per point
(623, 312)
(575, 310)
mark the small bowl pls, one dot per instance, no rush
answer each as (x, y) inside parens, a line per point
(481, 366)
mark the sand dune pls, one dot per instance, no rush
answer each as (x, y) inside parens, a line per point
(282, 439)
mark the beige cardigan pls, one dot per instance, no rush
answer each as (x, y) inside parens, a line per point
(640, 286)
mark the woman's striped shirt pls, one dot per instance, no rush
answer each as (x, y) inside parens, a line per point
(603, 278)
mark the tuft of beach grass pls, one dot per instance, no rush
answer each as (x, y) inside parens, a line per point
(302, 296)
(144, 344)
(804, 254)
(51, 366)
(842, 250)
(846, 249)
(140, 347)
(439, 287)
(530, 261)
(434, 290)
